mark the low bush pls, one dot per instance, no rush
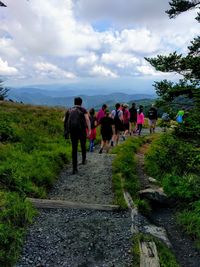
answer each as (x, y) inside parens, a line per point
(175, 163)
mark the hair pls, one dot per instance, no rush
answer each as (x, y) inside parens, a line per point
(78, 101)
(117, 105)
(92, 111)
(133, 105)
(140, 109)
(104, 106)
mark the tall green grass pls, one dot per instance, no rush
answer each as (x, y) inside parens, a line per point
(176, 164)
(124, 170)
(32, 152)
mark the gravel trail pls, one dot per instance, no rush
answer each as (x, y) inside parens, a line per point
(77, 237)
(92, 184)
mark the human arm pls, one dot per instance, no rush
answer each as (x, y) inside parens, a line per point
(66, 129)
(87, 119)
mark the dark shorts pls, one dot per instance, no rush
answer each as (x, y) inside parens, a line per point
(126, 126)
(106, 136)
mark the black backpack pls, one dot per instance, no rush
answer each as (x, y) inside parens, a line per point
(152, 114)
(74, 121)
(118, 123)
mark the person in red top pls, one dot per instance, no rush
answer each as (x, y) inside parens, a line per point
(101, 113)
(126, 118)
(93, 122)
(140, 119)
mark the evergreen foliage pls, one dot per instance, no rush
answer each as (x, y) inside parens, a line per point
(3, 91)
(186, 65)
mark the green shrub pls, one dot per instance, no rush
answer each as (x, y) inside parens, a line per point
(169, 154)
(185, 187)
(189, 219)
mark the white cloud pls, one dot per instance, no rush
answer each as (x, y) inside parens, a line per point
(87, 60)
(102, 71)
(35, 33)
(50, 70)
(121, 60)
(5, 69)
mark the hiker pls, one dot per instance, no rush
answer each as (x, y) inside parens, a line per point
(101, 113)
(180, 116)
(133, 118)
(152, 116)
(107, 129)
(165, 121)
(93, 123)
(126, 118)
(75, 123)
(140, 119)
(117, 115)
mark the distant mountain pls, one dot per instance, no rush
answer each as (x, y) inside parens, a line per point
(61, 97)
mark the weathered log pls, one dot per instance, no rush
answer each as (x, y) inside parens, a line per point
(62, 204)
(148, 255)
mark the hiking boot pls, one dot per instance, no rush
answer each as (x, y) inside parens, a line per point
(100, 151)
(75, 171)
(112, 143)
(84, 162)
(123, 138)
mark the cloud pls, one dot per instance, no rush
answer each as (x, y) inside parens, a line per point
(52, 71)
(50, 40)
(6, 70)
(102, 71)
(87, 60)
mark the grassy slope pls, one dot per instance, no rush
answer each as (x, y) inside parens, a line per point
(176, 164)
(32, 151)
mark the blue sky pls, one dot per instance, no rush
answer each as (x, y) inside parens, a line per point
(96, 42)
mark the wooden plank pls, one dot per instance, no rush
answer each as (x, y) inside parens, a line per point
(148, 255)
(62, 204)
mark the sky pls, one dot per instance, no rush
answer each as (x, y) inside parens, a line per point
(94, 42)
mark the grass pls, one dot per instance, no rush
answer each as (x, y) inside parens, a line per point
(166, 257)
(32, 152)
(175, 163)
(124, 165)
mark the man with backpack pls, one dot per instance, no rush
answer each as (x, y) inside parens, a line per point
(153, 116)
(75, 123)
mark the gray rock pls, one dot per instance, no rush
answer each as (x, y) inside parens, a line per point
(156, 195)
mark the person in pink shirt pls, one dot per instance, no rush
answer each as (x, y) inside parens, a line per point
(140, 119)
(101, 113)
(126, 117)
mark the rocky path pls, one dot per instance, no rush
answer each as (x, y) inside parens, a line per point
(77, 237)
(183, 246)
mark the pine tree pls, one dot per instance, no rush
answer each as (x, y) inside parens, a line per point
(3, 91)
(186, 65)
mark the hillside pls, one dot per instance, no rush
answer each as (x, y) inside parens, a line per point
(65, 98)
(32, 152)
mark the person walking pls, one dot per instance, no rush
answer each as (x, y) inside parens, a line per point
(126, 118)
(180, 116)
(140, 120)
(101, 113)
(117, 116)
(107, 129)
(93, 123)
(152, 116)
(75, 123)
(133, 118)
